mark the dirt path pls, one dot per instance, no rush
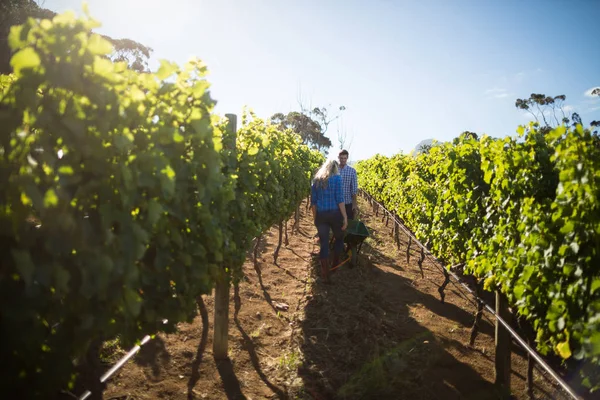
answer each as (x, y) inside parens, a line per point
(378, 331)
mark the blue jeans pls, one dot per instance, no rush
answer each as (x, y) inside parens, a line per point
(330, 220)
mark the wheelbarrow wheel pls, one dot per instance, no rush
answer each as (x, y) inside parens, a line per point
(353, 257)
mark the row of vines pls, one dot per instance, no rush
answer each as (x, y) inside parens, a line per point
(123, 197)
(523, 214)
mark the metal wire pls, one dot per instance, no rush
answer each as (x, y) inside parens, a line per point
(120, 363)
(512, 332)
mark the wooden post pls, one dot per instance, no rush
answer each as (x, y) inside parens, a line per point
(444, 284)
(397, 232)
(503, 343)
(255, 254)
(478, 314)
(420, 262)
(276, 253)
(221, 318)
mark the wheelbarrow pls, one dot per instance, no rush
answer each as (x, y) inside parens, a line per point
(355, 234)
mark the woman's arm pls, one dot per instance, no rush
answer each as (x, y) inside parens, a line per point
(339, 198)
(342, 207)
(354, 189)
(313, 202)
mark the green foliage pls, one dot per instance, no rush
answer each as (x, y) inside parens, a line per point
(122, 198)
(523, 214)
(16, 12)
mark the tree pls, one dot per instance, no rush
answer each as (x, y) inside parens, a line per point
(595, 124)
(321, 115)
(16, 12)
(135, 54)
(309, 130)
(546, 107)
(466, 135)
(423, 147)
(342, 137)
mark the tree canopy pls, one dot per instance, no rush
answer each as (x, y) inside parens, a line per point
(549, 110)
(16, 12)
(310, 131)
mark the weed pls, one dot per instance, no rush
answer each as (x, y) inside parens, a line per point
(290, 361)
(397, 371)
(111, 351)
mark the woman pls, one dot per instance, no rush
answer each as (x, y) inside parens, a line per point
(329, 212)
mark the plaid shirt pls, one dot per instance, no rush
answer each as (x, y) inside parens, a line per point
(350, 183)
(329, 198)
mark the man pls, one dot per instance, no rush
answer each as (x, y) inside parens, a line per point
(349, 184)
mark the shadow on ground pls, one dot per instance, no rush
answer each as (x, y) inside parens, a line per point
(359, 341)
(154, 355)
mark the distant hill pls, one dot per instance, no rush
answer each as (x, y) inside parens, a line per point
(419, 147)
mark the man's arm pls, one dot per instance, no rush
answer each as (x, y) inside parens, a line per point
(354, 183)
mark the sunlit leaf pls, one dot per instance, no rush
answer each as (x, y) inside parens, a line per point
(26, 58)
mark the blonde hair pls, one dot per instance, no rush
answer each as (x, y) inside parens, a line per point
(327, 170)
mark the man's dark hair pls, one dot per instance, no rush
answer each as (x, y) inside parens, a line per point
(343, 153)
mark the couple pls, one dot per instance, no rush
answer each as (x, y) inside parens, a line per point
(333, 201)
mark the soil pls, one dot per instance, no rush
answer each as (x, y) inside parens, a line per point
(379, 330)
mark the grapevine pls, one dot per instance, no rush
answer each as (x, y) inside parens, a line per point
(121, 200)
(522, 213)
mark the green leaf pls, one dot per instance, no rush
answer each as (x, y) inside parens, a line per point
(199, 88)
(26, 58)
(518, 291)
(25, 200)
(563, 349)
(97, 45)
(67, 18)
(65, 170)
(593, 343)
(50, 199)
(15, 41)
(567, 227)
(595, 285)
(488, 176)
(177, 137)
(85, 8)
(103, 67)
(166, 69)
(168, 171)
(527, 272)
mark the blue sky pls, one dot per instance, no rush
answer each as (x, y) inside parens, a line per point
(405, 70)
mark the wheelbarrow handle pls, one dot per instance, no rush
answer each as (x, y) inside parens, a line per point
(340, 264)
